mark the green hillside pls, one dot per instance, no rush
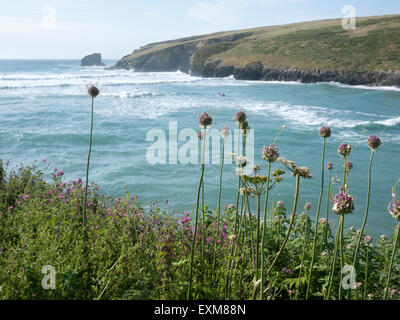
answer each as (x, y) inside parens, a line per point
(373, 45)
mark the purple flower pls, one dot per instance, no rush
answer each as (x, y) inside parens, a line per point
(329, 166)
(395, 210)
(344, 149)
(349, 166)
(325, 132)
(270, 153)
(93, 91)
(373, 142)
(280, 204)
(205, 120)
(240, 116)
(343, 203)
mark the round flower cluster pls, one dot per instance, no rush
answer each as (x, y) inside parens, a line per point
(325, 132)
(225, 132)
(349, 166)
(307, 206)
(373, 142)
(205, 119)
(241, 161)
(280, 204)
(395, 210)
(343, 203)
(93, 91)
(329, 166)
(344, 149)
(240, 116)
(270, 153)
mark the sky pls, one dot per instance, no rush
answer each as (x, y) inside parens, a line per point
(71, 29)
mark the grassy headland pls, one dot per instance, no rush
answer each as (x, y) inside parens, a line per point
(373, 46)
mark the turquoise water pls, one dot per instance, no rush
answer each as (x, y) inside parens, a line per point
(45, 113)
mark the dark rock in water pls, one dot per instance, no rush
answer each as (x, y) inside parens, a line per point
(92, 60)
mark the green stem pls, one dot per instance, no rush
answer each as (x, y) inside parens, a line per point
(332, 271)
(391, 262)
(189, 292)
(264, 232)
(219, 208)
(317, 219)
(258, 236)
(366, 272)
(236, 248)
(296, 197)
(341, 255)
(303, 255)
(366, 211)
(327, 207)
(87, 167)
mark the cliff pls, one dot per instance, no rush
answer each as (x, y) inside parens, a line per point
(92, 60)
(317, 51)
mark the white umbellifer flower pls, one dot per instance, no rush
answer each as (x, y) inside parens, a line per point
(239, 171)
(240, 160)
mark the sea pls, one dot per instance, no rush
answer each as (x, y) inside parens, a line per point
(45, 118)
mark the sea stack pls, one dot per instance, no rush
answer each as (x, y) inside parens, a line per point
(92, 60)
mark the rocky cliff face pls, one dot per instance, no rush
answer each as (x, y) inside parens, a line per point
(259, 71)
(172, 58)
(92, 60)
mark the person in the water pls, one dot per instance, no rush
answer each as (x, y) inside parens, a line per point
(221, 94)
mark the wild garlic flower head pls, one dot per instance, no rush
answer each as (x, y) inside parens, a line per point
(374, 142)
(270, 153)
(93, 91)
(344, 149)
(225, 132)
(240, 116)
(325, 132)
(343, 203)
(205, 120)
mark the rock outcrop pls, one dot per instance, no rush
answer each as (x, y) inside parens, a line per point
(259, 71)
(92, 60)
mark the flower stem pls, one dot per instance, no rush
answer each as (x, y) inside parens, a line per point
(296, 197)
(264, 231)
(366, 272)
(87, 167)
(332, 271)
(219, 208)
(317, 219)
(391, 262)
(189, 292)
(366, 212)
(341, 255)
(327, 206)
